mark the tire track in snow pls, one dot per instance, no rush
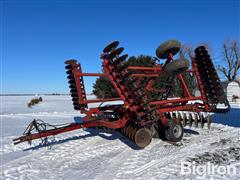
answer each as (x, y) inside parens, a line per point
(167, 165)
(98, 158)
(132, 169)
(66, 155)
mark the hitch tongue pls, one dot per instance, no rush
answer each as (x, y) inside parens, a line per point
(38, 129)
(36, 125)
(22, 139)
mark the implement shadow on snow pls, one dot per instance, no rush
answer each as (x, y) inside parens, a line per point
(115, 135)
(231, 118)
(53, 142)
(190, 131)
(92, 133)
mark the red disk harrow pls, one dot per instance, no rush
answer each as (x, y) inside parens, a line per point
(141, 118)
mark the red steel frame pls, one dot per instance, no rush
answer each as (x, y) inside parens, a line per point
(162, 106)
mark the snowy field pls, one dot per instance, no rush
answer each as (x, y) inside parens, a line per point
(89, 154)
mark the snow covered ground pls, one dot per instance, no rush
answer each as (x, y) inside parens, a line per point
(89, 154)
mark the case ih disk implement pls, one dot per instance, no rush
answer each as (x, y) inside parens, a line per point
(139, 117)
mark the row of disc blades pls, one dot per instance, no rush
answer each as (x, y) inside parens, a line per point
(70, 66)
(118, 70)
(191, 118)
(140, 136)
(132, 91)
(211, 82)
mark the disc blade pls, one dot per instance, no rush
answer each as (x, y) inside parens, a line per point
(111, 46)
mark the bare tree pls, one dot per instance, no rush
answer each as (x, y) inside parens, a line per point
(186, 51)
(231, 56)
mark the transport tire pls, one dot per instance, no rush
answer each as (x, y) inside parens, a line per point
(171, 46)
(176, 67)
(173, 131)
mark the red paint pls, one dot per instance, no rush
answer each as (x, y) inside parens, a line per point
(130, 107)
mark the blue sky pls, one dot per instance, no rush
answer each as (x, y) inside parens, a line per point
(38, 36)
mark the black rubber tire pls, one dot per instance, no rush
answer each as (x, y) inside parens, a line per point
(171, 46)
(173, 131)
(176, 67)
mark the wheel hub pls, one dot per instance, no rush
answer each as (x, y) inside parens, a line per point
(177, 131)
